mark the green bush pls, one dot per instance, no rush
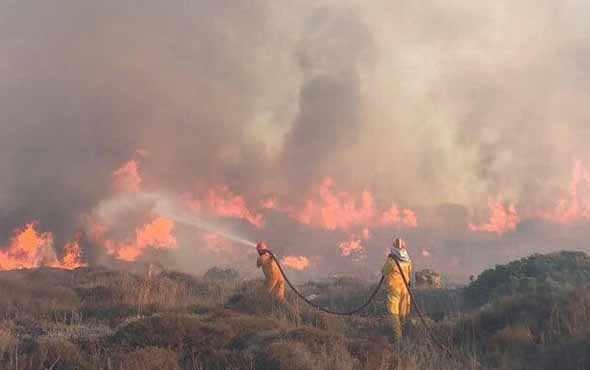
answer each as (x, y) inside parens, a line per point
(537, 273)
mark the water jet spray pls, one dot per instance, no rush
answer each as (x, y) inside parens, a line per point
(166, 208)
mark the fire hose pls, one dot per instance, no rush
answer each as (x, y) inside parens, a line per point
(364, 305)
(316, 306)
(369, 300)
(412, 300)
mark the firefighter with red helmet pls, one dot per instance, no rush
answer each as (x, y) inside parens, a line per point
(274, 283)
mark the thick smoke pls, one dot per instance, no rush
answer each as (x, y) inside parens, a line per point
(333, 49)
(86, 85)
(438, 107)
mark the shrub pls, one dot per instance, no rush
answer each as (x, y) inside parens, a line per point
(148, 358)
(54, 353)
(23, 295)
(216, 273)
(293, 355)
(537, 273)
(8, 340)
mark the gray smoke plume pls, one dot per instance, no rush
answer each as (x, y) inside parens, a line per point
(434, 106)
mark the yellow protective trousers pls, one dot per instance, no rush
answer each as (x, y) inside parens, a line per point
(274, 283)
(398, 297)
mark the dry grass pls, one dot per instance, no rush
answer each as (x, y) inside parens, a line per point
(96, 319)
(148, 358)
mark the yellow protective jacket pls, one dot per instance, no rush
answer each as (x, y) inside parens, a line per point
(273, 282)
(398, 296)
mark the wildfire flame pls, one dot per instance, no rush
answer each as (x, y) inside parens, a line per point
(224, 203)
(326, 208)
(29, 248)
(270, 203)
(342, 211)
(157, 235)
(72, 255)
(296, 263)
(503, 218)
(127, 177)
(26, 249)
(393, 216)
(572, 207)
(220, 201)
(351, 247)
(575, 206)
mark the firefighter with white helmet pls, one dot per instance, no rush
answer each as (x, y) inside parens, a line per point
(398, 297)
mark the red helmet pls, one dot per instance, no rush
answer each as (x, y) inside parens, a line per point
(261, 247)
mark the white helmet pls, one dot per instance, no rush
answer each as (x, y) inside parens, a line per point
(399, 251)
(399, 243)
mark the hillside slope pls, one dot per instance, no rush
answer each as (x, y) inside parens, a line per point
(93, 318)
(99, 319)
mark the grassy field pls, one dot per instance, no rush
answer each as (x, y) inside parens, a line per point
(95, 318)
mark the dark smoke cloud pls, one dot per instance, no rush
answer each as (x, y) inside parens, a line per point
(327, 121)
(334, 48)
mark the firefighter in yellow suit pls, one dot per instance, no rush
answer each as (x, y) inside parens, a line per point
(274, 283)
(398, 297)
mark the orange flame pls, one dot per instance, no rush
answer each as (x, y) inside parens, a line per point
(342, 211)
(576, 205)
(222, 202)
(157, 235)
(351, 247)
(296, 263)
(30, 249)
(270, 203)
(503, 218)
(26, 249)
(72, 255)
(572, 207)
(127, 178)
(393, 216)
(336, 211)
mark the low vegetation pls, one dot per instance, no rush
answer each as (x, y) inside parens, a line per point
(99, 319)
(549, 273)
